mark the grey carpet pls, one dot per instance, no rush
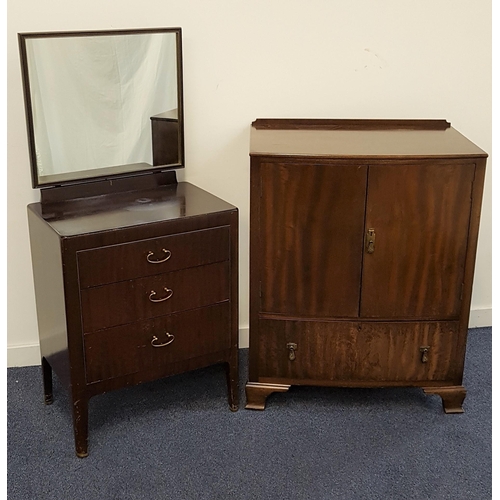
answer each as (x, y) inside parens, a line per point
(177, 439)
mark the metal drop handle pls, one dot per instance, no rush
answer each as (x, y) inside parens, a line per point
(170, 338)
(168, 291)
(425, 353)
(292, 347)
(167, 253)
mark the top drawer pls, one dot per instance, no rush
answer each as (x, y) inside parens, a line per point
(152, 256)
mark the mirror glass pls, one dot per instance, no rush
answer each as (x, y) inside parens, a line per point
(102, 104)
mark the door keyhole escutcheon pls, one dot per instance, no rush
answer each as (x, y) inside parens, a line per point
(370, 240)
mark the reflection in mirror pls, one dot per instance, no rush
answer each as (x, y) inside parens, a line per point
(102, 104)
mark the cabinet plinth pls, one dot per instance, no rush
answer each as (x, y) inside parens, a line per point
(135, 287)
(363, 237)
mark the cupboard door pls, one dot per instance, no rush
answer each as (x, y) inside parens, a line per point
(419, 215)
(311, 238)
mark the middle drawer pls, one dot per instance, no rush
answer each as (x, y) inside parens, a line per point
(128, 301)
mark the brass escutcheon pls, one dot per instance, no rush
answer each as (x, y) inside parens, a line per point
(370, 240)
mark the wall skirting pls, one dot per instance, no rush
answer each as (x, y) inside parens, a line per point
(480, 317)
(23, 355)
(29, 354)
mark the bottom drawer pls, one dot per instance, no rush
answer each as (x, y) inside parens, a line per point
(147, 345)
(335, 351)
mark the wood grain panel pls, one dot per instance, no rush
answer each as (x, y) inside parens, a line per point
(364, 352)
(130, 260)
(128, 301)
(124, 350)
(311, 237)
(420, 214)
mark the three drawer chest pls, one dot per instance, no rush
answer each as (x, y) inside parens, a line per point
(134, 286)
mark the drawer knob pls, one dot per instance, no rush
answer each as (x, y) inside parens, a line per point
(292, 347)
(151, 260)
(170, 338)
(168, 292)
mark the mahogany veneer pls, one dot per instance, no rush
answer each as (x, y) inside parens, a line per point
(363, 238)
(133, 285)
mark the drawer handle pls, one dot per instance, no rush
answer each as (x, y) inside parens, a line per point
(170, 338)
(167, 290)
(167, 253)
(292, 347)
(425, 353)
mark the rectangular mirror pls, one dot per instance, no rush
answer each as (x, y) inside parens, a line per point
(102, 104)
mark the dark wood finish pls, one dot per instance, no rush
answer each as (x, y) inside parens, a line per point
(96, 333)
(366, 352)
(127, 349)
(47, 382)
(147, 257)
(421, 212)
(310, 247)
(165, 138)
(346, 124)
(257, 394)
(127, 301)
(99, 174)
(362, 144)
(84, 195)
(412, 274)
(452, 397)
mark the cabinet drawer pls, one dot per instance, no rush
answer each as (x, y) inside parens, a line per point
(128, 349)
(343, 352)
(152, 256)
(129, 301)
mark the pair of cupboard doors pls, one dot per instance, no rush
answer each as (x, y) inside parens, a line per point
(354, 240)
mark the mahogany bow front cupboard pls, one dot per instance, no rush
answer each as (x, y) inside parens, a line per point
(362, 250)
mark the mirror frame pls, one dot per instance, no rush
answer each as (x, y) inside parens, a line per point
(23, 37)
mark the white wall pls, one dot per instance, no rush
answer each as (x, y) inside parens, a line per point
(272, 58)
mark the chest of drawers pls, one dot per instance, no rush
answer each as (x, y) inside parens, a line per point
(135, 288)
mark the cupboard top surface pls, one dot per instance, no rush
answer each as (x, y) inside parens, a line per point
(129, 209)
(282, 138)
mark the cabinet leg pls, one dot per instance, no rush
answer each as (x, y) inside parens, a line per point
(452, 397)
(232, 376)
(80, 426)
(47, 382)
(257, 394)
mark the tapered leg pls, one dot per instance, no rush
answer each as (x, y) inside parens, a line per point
(80, 426)
(257, 394)
(47, 382)
(232, 376)
(452, 397)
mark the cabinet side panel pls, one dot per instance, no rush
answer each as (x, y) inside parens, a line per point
(253, 355)
(49, 293)
(470, 262)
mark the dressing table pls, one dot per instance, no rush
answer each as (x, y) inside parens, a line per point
(136, 275)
